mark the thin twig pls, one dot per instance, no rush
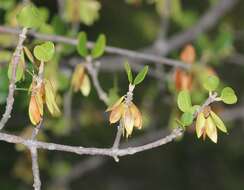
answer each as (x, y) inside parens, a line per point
(117, 141)
(91, 163)
(33, 149)
(118, 137)
(93, 71)
(15, 62)
(89, 151)
(34, 158)
(35, 168)
(109, 49)
(37, 129)
(98, 151)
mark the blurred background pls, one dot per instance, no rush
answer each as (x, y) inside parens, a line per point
(161, 27)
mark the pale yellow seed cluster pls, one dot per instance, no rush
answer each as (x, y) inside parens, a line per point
(207, 123)
(128, 115)
(42, 93)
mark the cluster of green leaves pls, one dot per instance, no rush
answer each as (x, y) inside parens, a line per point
(217, 48)
(139, 77)
(185, 105)
(228, 95)
(42, 53)
(97, 50)
(211, 84)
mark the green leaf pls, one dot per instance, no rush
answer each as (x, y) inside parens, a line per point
(218, 122)
(29, 17)
(187, 118)
(141, 75)
(99, 46)
(184, 101)
(81, 46)
(128, 71)
(228, 96)
(211, 83)
(19, 70)
(44, 52)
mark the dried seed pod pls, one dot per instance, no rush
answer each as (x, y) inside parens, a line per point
(128, 114)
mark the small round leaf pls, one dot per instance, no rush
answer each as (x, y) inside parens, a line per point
(184, 101)
(228, 96)
(44, 52)
(211, 83)
(29, 17)
(187, 118)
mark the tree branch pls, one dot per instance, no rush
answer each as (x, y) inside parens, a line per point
(89, 151)
(15, 62)
(108, 49)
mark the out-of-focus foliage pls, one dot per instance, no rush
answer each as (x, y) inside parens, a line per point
(132, 24)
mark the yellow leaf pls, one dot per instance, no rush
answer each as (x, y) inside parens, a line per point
(85, 86)
(39, 102)
(50, 99)
(200, 124)
(29, 54)
(77, 78)
(128, 122)
(116, 113)
(218, 122)
(211, 130)
(34, 112)
(110, 108)
(137, 116)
